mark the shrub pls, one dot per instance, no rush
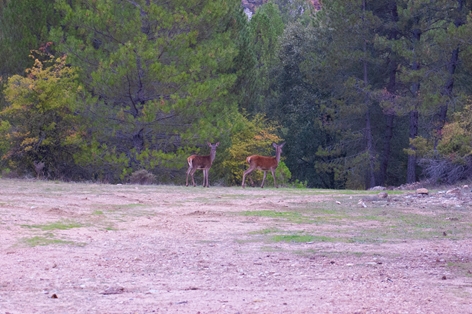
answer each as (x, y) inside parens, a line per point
(142, 177)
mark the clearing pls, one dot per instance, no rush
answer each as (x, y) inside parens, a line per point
(96, 248)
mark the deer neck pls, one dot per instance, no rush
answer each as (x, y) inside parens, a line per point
(277, 156)
(212, 156)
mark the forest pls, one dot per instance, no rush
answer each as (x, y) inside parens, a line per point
(363, 93)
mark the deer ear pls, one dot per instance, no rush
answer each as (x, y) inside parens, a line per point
(282, 145)
(217, 144)
(274, 145)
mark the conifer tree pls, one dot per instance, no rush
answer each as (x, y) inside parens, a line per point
(160, 72)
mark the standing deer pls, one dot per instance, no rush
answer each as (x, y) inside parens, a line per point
(201, 162)
(264, 163)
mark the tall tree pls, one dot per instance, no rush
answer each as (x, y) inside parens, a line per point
(345, 57)
(258, 56)
(161, 72)
(387, 96)
(423, 73)
(24, 26)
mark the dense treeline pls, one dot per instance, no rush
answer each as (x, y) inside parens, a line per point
(363, 92)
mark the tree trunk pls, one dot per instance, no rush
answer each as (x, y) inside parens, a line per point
(415, 88)
(391, 89)
(411, 167)
(368, 128)
(389, 118)
(370, 151)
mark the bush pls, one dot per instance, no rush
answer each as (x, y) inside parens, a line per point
(142, 177)
(443, 170)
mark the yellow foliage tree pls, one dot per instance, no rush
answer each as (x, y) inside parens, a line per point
(41, 123)
(256, 137)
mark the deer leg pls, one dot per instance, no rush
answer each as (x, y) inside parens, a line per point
(205, 177)
(273, 176)
(188, 172)
(263, 179)
(252, 181)
(244, 175)
(192, 173)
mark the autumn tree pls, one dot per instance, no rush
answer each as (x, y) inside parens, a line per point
(42, 123)
(255, 137)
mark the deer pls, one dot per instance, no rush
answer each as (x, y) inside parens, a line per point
(38, 167)
(201, 162)
(264, 163)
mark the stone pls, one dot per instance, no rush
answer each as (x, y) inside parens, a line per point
(422, 191)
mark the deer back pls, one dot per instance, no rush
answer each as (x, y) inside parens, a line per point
(200, 162)
(262, 162)
(203, 162)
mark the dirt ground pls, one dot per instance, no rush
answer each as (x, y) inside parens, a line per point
(91, 248)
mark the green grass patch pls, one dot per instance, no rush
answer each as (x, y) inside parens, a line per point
(294, 217)
(127, 206)
(293, 238)
(58, 225)
(43, 241)
(266, 231)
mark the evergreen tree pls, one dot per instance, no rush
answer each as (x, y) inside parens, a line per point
(259, 44)
(24, 26)
(160, 72)
(345, 61)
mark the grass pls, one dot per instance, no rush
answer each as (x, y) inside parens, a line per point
(293, 238)
(58, 225)
(293, 217)
(347, 222)
(324, 215)
(43, 241)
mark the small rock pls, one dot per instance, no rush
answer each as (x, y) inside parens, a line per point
(454, 191)
(422, 191)
(378, 188)
(383, 194)
(113, 290)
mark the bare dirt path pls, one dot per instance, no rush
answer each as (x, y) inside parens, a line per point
(89, 248)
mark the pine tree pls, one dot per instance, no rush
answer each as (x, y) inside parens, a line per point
(160, 72)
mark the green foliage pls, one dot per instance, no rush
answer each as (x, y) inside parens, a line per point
(24, 26)
(162, 73)
(41, 123)
(450, 159)
(456, 138)
(168, 76)
(257, 58)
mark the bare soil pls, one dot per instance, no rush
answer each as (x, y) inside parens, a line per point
(91, 248)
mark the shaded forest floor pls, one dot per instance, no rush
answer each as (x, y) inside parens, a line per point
(92, 248)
